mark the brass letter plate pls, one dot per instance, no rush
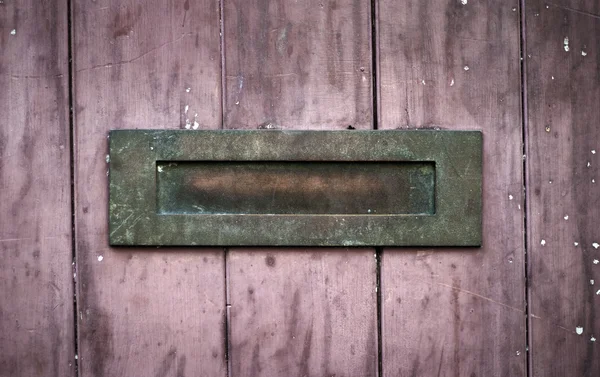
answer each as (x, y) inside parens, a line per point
(295, 188)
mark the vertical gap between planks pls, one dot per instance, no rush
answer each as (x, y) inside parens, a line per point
(375, 110)
(375, 62)
(525, 140)
(72, 168)
(378, 291)
(226, 314)
(227, 323)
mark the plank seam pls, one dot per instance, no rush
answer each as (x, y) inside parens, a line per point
(375, 115)
(525, 139)
(226, 314)
(72, 168)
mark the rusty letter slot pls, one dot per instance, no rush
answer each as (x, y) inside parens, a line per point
(302, 188)
(295, 188)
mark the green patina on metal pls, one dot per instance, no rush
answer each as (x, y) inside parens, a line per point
(295, 188)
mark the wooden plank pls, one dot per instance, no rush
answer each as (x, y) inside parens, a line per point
(459, 312)
(36, 286)
(303, 64)
(300, 65)
(302, 312)
(563, 87)
(143, 64)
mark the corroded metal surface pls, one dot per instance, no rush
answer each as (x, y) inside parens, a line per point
(320, 188)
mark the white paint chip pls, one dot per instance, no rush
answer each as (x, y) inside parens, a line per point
(423, 82)
(185, 109)
(187, 90)
(579, 330)
(13, 32)
(593, 151)
(566, 44)
(575, 243)
(543, 242)
(552, 77)
(592, 339)
(510, 197)
(583, 53)
(588, 164)
(592, 281)
(598, 292)
(160, 169)
(107, 158)
(596, 245)
(100, 257)
(566, 217)
(464, 2)
(452, 82)
(596, 261)
(196, 125)
(466, 68)
(518, 353)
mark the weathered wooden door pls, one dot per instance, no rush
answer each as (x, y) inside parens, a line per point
(526, 73)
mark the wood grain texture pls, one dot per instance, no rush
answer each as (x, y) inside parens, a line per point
(297, 64)
(36, 286)
(143, 64)
(457, 312)
(300, 65)
(302, 312)
(563, 88)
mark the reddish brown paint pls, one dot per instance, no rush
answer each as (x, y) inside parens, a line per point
(143, 312)
(300, 65)
(563, 95)
(307, 65)
(459, 312)
(36, 277)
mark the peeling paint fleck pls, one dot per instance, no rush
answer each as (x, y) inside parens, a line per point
(510, 197)
(575, 243)
(100, 257)
(593, 151)
(452, 82)
(592, 339)
(566, 44)
(13, 32)
(596, 261)
(543, 242)
(187, 90)
(466, 68)
(579, 330)
(566, 217)
(107, 158)
(464, 2)
(583, 53)
(596, 245)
